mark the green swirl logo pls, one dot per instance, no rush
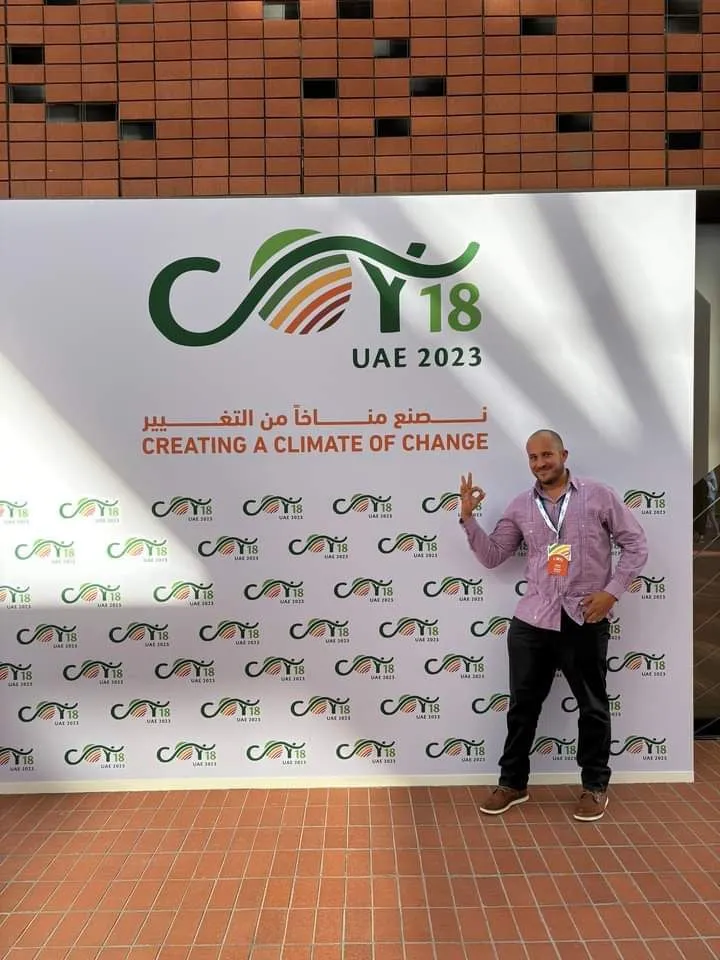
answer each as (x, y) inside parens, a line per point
(410, 703)
(187, 750)
(95, 753)
(235, 547)
(230, 707)
(553, 746)
(43, 549)
(10, 510)
(141, 709)
(138, 631)
(189, 507)
(364, 587)
(98, 593)
(15, 671)
(446, 501)
(47, 633)
(366, 749)
(647, 586)
(369, 503)
(229, 630)
(14, 595)
(302, 284)
(643, 746)
(90, 507)
(185, 667)
(498, 703)
(319, 627)
(409, 543)
(318, 543)
(93, 670)
(185, 591)
(275, 667)
(456, 663)
(16, 757)
(273, 503)
(639, 499)
(453, 587)
(138, 547)
(366, 664)
(407, 627)
(319, 706)
(49, 710)
(638, 660)
(497, 626)
(456, 747)
(276, 750)
(274, 589)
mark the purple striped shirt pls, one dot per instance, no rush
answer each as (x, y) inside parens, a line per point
(595, 518)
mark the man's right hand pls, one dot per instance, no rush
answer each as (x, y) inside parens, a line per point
(470, 497)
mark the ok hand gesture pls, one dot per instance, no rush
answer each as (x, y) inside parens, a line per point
(470, 497)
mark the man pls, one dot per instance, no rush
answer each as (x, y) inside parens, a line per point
(569, 525)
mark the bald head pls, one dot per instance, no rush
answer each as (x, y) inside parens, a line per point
(546, 457)
(549, 436)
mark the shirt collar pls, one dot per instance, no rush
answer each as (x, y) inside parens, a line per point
(571, 483)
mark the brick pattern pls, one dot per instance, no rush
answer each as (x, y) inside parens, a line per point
(224, 88)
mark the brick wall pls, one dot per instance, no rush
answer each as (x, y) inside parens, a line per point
(209, 98)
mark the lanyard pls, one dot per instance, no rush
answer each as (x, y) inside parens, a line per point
(561, 518)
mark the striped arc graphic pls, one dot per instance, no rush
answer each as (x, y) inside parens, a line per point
(312, 298)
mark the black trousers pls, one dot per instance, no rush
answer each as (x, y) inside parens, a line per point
(580, 651)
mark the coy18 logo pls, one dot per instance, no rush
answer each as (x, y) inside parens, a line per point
(332, 631)
(190, 508)
(422, 631)
(646, 502)
(373, 505)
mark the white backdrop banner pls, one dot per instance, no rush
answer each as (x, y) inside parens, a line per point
(233, 435)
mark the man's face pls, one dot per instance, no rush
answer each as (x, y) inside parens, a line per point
(546, 459)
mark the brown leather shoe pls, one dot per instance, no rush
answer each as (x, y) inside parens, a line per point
(501, 799)
(591, 805)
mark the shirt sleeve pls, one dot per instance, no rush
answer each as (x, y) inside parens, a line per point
(492, 549)
(630, 537)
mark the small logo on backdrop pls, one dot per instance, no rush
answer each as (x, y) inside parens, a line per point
(333, 631)
(244, 634)
(17, 760)
(423, 708)
(100, 670)
(185, 668)
(280, 667)
(186, 592)
(377, 668)
(373, 505)
(646, 502)
(151, 634)
(331, 548)
(554, 747)
(15, 598)
(522, 551)
(151, 711)
(90, 508)
(288, 753)
(56, 551)
(13, 512)
(570, 705)
(376, 591)
(190, 508)
(422, 631)
(244, 711)
(469, 751)
(376, 751)
(283, 590)
(62, 714)
(649, 588)
(201, 754)
(16, 674)
(614, 627)
(449, 502)
(329, 707)
(644, 747)
(109, 758)
(495, 626)
(285, 508)
(649, 664)
(521, 588)
(467, 668)
(423, 548)
(60, 637)
(137, 548)
(498, 703)
(231, 548)
(458, 587)
(95, 594)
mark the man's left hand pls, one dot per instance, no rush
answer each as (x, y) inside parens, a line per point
(597, 606)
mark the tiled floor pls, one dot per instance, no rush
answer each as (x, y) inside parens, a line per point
(387, 874)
